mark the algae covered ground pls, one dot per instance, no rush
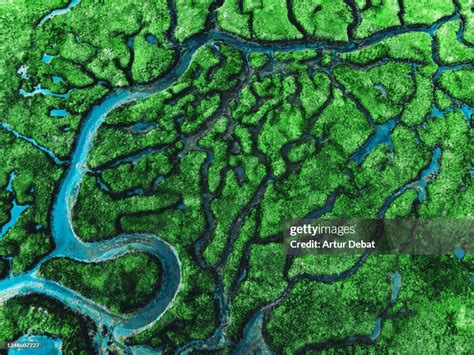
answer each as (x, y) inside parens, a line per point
(211, 124)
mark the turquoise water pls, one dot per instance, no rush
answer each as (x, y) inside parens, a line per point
(141, 127)
(38, 90)
(428, 174)
(59, 12)
(151, 39)
(459, 253)
(23, 72)
(47, 58)
(48, 345)
(15, 211)
(381, 136)
(58, 113)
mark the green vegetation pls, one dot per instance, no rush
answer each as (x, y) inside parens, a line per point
(417, 12)
(332, 311)
(413, 46)
(457, 84)
(40, 315)
(377, 16)
(340, 310)
(271, 22)
(25, 243)
(3, 268)
(192, 17)
(151, 60)
(323, 19)
(383, 90)
(258, 60)
(452, 51)
(122, 284)
(270, 284)
(261, 111)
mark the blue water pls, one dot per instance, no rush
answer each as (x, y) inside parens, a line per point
(59, 12)
(48, 345)
(253, 341)
(158, 180)
(39, 90)
(48, 152)
(151, 39)
(468, 111)
(47, 58)
(428, 175)
(240, 172)
(327, 208)
(381, 136)
(58, 113)
(15, 211)
(377, 329)
(23, 72)
(436, 112)
(459, 253)
(136, 192)
(382, 89)
(15, 214)
(142, 127)
(135, 158)
(396, 286)
(57, 79)
(444, 68)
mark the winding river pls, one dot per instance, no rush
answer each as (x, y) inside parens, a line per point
(114, 328)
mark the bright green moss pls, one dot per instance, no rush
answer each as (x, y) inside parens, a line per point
(344, 309)
(426, 12)
(270, 22)
(151, 60)
(415, 46)
(301, 151)
(441, 100)
(381, 15)
(402, 206)
(458, 83)
(258, 60)
(416, 110)
(323, 19)
(191, 17)
(382, 90)
(232, 20)
(342, 124)
(450, 50)
(468, 18)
